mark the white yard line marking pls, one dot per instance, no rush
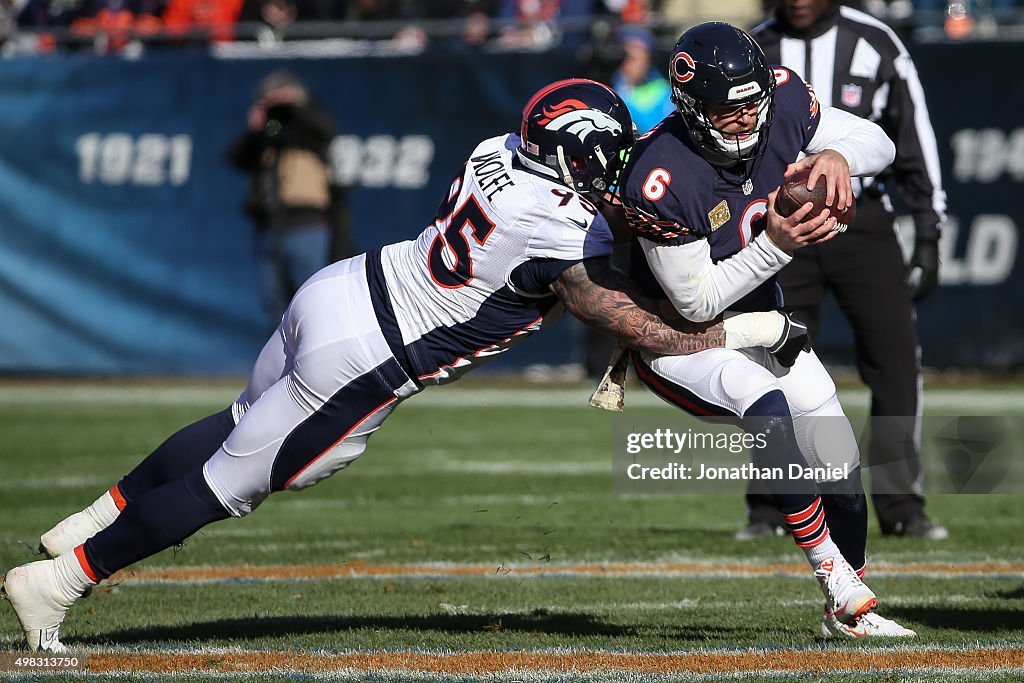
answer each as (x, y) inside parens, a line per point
(974, 401)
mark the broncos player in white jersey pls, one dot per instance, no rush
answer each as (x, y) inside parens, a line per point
(517, 236)
(700, 189)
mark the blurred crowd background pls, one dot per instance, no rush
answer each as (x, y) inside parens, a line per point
(146, 146)
(115, 25)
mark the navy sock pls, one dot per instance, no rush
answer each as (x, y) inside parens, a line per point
(152, 522)
(182, 452)
(769, 415)
(846, 510)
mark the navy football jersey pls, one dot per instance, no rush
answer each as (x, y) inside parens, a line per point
(668, 178)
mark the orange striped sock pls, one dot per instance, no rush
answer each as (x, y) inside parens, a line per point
(86, 571)
(119, 500)
(810, 531)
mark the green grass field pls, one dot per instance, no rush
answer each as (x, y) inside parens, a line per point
(478, 539)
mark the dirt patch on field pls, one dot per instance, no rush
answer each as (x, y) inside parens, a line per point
(582, 662)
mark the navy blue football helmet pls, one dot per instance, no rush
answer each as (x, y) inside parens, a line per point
(718, 65)
(579, 132)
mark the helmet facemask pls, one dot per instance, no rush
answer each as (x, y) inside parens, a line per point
(599, 172)
(743, 147)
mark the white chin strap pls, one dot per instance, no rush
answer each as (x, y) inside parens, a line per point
(564, 167)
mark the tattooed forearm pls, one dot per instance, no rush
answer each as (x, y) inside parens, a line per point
(611, 303)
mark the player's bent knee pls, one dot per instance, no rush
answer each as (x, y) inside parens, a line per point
(238, 491)
(747, 383)
(827, 439)
(830, 407)
(773, 404)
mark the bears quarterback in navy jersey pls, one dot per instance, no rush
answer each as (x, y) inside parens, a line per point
(725, 205)
(699, 192)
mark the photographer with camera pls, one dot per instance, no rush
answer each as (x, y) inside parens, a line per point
(284, 150)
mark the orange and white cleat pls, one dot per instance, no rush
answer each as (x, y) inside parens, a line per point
(847, 595)
(870, 625)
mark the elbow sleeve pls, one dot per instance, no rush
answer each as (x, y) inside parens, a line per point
(863, 144)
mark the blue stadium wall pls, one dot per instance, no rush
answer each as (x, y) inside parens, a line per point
(124, 250)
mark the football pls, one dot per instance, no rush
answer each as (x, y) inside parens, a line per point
(793, 194)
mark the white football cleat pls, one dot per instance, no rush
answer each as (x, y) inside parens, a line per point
(868, 626)
(35, 593)
(849, 598)
(69, 534)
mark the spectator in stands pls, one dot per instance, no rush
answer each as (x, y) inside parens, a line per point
(104, 24)
(476, 28)
(475, 15)
(537, 22)
(961, 18)
(646, 91)
(284, 150)
(630, 11)
(212, 19)
(117, 21)
(9, 10)
(277, 15)
(742, 13)
(373, 10)
(40, 13)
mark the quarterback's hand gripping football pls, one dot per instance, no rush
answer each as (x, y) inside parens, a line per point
(831, 168)
(791, 342)
(800, 229)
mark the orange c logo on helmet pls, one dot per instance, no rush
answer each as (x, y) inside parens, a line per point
(683, 67)
(552, 112)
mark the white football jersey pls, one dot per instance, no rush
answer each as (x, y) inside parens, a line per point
(474, 283)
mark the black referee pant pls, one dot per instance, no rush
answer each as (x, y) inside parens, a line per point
(865, 271)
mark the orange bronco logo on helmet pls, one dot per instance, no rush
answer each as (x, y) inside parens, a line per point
(576, 118)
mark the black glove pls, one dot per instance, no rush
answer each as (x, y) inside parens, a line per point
(793, 340)
(923, 272)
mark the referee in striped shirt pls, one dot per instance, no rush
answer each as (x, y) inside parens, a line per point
(856, 63)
